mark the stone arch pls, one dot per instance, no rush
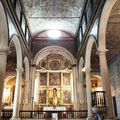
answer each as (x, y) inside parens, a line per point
(91, 41)
(102, 48)
(16, 41)
(103, 23)
(53, 49)
(9, 85)
(47, 51)
(8, 78)
(4, 30)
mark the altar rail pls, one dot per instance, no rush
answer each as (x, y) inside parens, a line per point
(32, 114)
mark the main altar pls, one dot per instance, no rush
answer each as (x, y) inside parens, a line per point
(52, 108)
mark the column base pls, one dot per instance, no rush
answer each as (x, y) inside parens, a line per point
(90, 118)
(15, 118)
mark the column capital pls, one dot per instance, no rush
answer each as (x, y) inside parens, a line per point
(4, 50)
(88, 70)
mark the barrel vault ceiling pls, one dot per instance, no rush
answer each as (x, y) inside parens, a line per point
(65, 15)
(53, 14)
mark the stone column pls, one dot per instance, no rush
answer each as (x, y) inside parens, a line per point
(3, 58)
(36, 90)
(81, 91)
(22, 94)
(89, 90)
(75, 86)
(32, 84)
(38, 84)
(106, 83)
(27, 90)
(17, 94)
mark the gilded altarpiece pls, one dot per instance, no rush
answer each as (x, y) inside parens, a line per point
(55, 75)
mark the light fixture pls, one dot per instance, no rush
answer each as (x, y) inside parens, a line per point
(54, 34)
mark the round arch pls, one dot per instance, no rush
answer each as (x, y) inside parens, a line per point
(102, 48)
(15, 40)
(91, 41)
(8, 91)
(4, 30)
(53, 49)
(103, 23)
(8, 78)
(47, 51)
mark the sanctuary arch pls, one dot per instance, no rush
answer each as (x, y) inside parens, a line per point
(54, 78)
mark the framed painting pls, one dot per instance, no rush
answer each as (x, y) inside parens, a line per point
(66, 96)
(42, 96)
(54, 79)
(43, 79)
(54, 65)
(66, 79)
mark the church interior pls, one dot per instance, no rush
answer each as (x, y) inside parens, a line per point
(60, 59)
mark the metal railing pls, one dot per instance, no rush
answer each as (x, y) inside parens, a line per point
(98, 99)
(6, 114)
(32, 114)
(48, 114)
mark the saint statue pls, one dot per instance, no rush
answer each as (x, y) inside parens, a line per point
(55, 101)
(54, 92)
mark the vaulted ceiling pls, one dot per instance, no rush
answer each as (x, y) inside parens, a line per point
(65, 15)
(53, 14)
(113, 31)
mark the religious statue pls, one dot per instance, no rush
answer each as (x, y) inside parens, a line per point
(54, 92)
(54, 100)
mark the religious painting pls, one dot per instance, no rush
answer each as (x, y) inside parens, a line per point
(42, 96)
(55, 79)
(66, 79)
(66, 96)
(67, 64)
(54, 65)
(44, 64)
(43, 78)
